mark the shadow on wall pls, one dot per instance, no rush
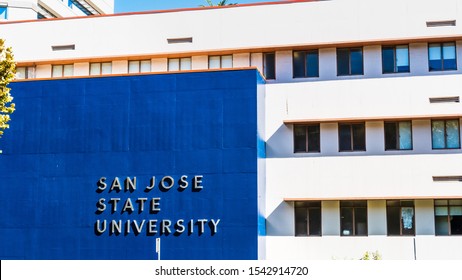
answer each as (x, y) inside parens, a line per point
(277, 223)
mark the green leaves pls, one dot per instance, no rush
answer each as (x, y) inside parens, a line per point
(7, 73)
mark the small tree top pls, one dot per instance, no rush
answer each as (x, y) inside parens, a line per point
(7, 74)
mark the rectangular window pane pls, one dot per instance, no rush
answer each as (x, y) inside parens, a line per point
(299, 138)
(21, 73)
(388, 59)
(95, 69)
(356, 60)
(174, 64)
(346, 220)
(449, 56)
(438, 135)
(214, 62)
(227, 61)
(57, 71)
(390, 136)
(405, 135)
(133, 66)
(68, 70)
(452, 134)
(441, 211)
(299, 64)
(456, 225)
(301, 227)
(106, 68)
(315, 221)
(185, 63)
(441, 225)
(313, 138)
(455, 210)
(344, 137)
(30, 72)
(393, 220)
(145, 66)
(402, 59)
(269, 67)
(359, 137)
(343, 62)
(312, 64)
(361, 221)
(434, 57)
(407, 217)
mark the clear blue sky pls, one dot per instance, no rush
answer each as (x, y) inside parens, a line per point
(122, 6)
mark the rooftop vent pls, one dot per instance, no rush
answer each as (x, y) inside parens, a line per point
(179, 40)
(447, 99)
(441, 23)
(447, 178)
(63, 47)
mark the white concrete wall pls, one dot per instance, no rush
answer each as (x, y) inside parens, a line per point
(241, 60)
(342, 21)
(60, 8)
(82, 69)
(200, 62)
(353, 248)
(120, 67)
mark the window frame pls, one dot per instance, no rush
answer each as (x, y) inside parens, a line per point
(307, 141)
(401, 229)
(4, 12)
(395, 67)
(100, 68)
(308, 206)
(139, 62)
(180, 64)
(356, 205)
(441, 44)
(63, 66)
(265, 67)
(305, 66)
(352, 137)
(448, 216)
(398, 135)
(445, 134)
(27, 71)
(221, 61)
(349, 61)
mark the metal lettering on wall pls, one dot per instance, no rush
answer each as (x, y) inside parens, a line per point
(152, 205)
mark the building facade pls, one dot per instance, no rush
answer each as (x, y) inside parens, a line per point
(41, 9)
(361, 118)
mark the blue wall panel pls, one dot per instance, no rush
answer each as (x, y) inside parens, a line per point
(67, 134)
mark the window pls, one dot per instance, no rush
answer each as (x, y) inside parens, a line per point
(100, 68)
(352, 137)
(395, 59)
(308, 218)
(139, 66)
(398, 135)
(442, 56)
(353, 218)
(306, 63)
(349, 61)
(220, 61)
(62, 70)
(400, 217)
(445, 134)
(3, 13)
(307, 138)
(269, 65)
(179, 64)
(448, 217)
(25, 72)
